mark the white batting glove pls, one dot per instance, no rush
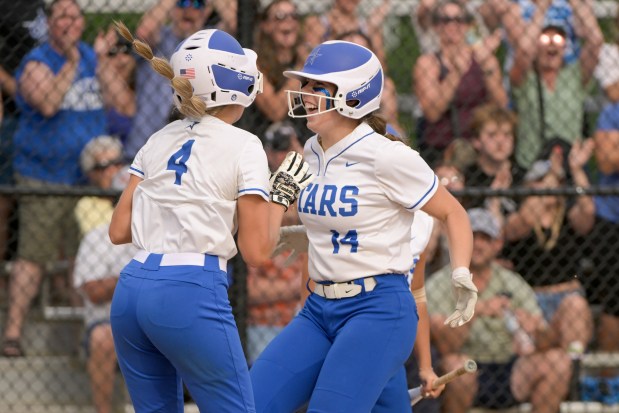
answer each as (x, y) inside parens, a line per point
(294, 238)
(466, 297)
(289, 180)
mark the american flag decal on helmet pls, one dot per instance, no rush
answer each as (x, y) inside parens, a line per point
(188, 73)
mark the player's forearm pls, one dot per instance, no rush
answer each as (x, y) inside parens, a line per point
(120, 227)
(460, 238)
(422, 342)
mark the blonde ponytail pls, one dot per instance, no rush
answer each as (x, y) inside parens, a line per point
(190, 106)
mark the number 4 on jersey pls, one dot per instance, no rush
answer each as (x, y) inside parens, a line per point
(177, 162)
(350, 239)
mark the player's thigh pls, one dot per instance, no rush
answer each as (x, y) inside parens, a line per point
(284, 375)
(203, 343)
(394, 398)
(366, 353)
(151, 379)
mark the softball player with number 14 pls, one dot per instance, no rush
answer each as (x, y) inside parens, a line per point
(358, 326)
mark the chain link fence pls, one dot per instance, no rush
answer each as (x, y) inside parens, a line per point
(513, 103)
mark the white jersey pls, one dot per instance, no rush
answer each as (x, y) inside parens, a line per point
(358, 210)
(420, 236)
(97, 258)
(193, 174)
(421, 232)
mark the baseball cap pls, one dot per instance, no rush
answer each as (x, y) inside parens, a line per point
(278, 136)
(482, 220)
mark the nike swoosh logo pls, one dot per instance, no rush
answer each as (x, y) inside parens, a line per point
(347, 291)
(351, 163)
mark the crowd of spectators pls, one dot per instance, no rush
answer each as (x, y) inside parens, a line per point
(502, 89)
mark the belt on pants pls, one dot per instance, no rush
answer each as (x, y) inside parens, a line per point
(335, 291)
(181, 258)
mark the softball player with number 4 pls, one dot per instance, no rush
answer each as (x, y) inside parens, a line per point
(358, 326)
(193, 184)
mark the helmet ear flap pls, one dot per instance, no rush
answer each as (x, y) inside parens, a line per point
(212, 65)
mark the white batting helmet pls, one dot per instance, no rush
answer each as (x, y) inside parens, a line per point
(220, 71)
(354, 69)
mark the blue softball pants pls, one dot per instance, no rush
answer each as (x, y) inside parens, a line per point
(341, 354)
(174, 324)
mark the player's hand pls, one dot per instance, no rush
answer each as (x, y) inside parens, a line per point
(466, 297)
(294, 238)
(427, 377)
(289, 180)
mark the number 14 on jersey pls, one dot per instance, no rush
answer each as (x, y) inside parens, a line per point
(349, 239)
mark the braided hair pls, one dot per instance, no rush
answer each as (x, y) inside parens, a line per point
(191, 106)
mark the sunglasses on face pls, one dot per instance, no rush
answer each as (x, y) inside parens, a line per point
(123, 48)
(547, 39)
(185, 4)
(448, 180)
(281, 16)
(442, 20)
(100, 166)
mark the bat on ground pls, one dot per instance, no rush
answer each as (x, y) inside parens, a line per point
(469, 367)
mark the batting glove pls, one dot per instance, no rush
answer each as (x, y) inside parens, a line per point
(294, 238)
(466, 297)
(289, 180)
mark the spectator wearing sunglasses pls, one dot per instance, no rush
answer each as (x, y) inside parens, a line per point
(549, 93)
(452, 82)
(479, 30)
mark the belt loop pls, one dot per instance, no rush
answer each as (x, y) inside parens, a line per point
(360, 282)
(152, 263)
(211, 262)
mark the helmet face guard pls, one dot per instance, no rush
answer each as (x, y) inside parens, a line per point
(220, 71)
(296, 105)
(353, 69)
